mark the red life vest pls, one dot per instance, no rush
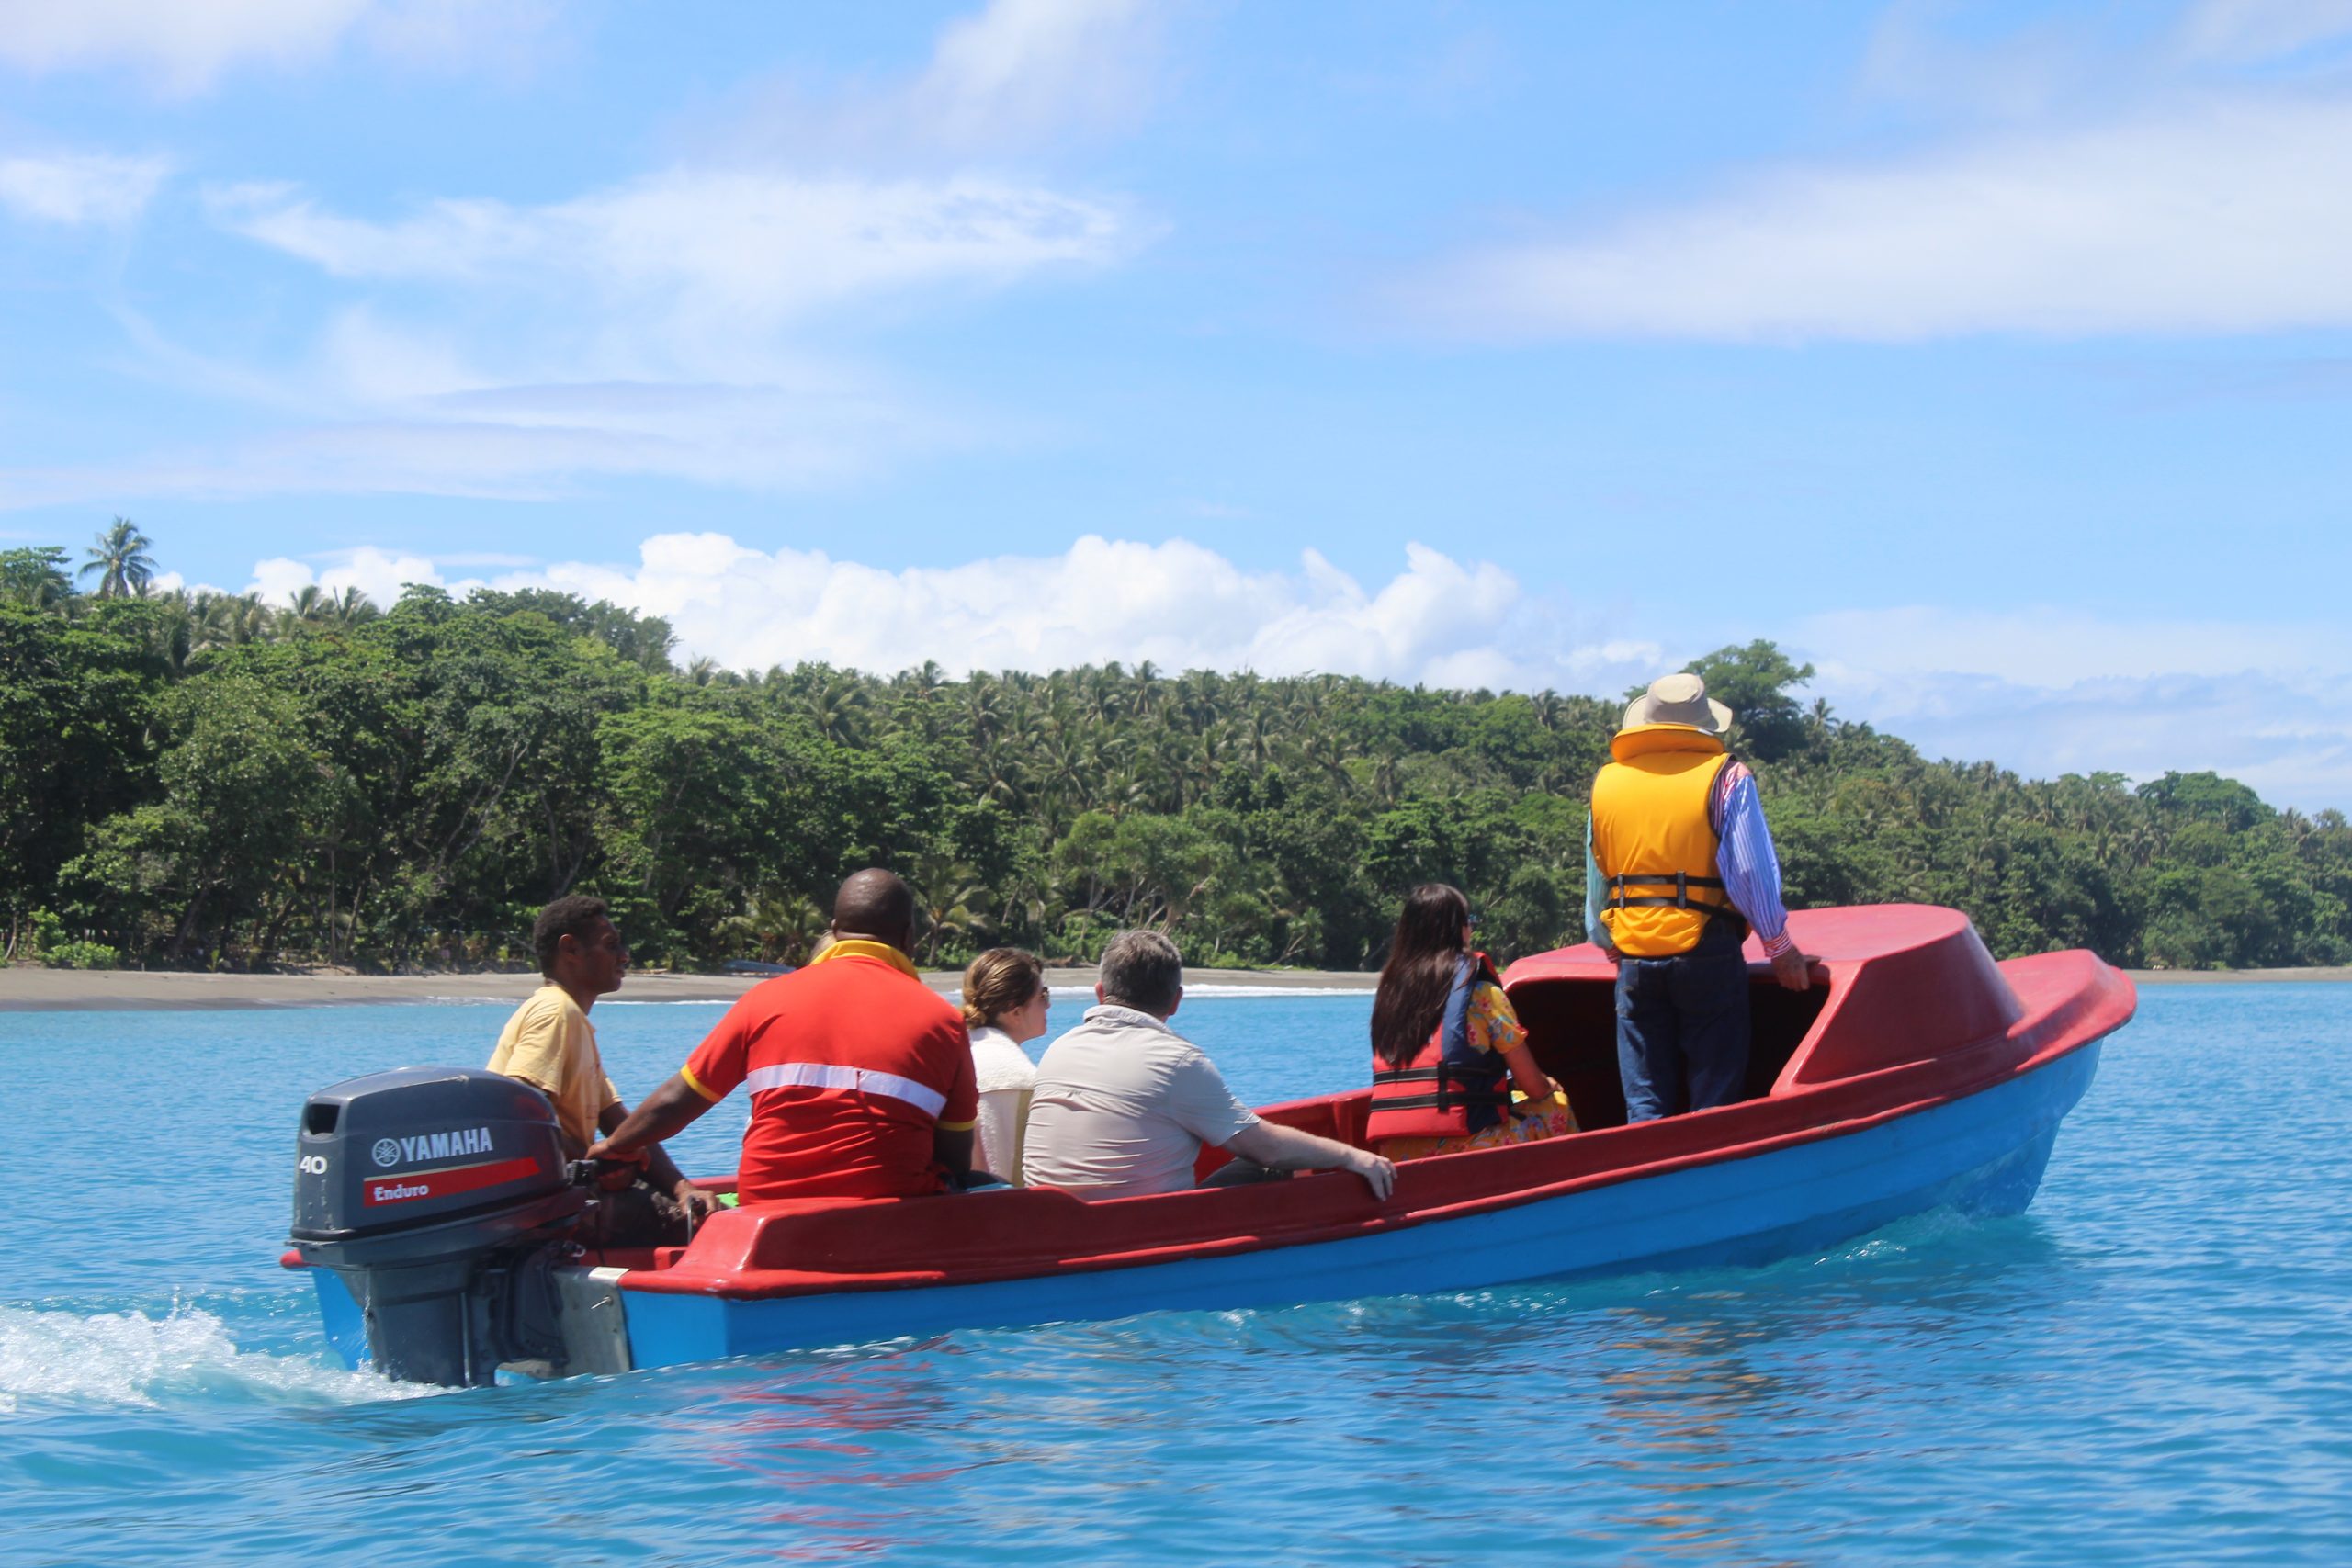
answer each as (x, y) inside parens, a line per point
(1449, 1089)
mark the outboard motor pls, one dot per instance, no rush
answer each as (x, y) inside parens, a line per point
(439, 1195)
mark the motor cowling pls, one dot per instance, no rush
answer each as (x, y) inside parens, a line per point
(436, 1195)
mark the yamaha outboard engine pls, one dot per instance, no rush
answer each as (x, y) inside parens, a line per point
(437, 1194)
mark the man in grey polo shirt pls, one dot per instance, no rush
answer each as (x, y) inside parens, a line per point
(1124, 1103)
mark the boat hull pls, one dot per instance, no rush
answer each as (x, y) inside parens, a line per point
(1980, 1152)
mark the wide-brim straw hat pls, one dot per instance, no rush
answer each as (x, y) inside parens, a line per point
(1678, 700)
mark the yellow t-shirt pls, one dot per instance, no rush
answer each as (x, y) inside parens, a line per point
(549, 1045)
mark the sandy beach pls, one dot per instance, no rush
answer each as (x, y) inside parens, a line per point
(2238, 976)
(24, 989)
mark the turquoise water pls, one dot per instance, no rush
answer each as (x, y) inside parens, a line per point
(2153, 1365)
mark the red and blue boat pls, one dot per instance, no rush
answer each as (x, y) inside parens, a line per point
(1916, 1074)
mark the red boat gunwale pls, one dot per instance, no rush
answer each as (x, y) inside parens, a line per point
(1909, 1012)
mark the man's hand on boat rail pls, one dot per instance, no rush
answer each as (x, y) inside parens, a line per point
(1794, 969)
(698, 1204)
(1380, 1175)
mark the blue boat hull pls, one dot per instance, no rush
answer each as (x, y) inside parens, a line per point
(1982, 1154)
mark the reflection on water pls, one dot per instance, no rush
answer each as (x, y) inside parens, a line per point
(1674, 1405)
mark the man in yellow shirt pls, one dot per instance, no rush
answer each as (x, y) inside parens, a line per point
(549, 1045)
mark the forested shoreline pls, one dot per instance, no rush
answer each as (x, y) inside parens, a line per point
(208, 781)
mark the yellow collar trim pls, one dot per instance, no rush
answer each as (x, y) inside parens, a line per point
(858, 947)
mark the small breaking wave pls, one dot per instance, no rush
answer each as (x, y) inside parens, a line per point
(1212, 989)
(131, 1359)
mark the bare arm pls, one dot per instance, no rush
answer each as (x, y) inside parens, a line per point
(664, 1113)
(660, 1169)
(1287, 1148)
(1532, 1081)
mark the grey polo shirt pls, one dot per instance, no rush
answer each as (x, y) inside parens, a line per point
(1122, 1108)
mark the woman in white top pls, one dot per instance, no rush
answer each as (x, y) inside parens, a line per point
(1004, 1004)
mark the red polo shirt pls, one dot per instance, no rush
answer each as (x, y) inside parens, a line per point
(852, 1062)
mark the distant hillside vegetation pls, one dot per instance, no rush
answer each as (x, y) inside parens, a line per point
(209, 781)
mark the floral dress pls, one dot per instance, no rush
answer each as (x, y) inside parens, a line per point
(1494, 1026)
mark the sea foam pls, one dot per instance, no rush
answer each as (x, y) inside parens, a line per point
(131, 1359)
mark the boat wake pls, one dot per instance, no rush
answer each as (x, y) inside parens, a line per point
(51, 1358)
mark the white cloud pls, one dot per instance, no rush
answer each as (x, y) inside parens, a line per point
(2048, 691)
(1182, 606)
(2219, 214)
(536, 442)
(2242, 31)
(1922, 56)
(1023, 70)
(1016, 75)
(76, 188)
(2287, 734)
(378, 573)
(651, 328)
(750, 249)
(2051, 647)
(184, 46)
(1175, 603)
(506, 36)
(658, 326)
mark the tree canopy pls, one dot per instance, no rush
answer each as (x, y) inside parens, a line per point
(206, 780)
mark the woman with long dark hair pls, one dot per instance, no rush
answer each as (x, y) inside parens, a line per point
(1447, 1048)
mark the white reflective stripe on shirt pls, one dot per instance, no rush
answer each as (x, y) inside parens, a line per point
(859, 1080)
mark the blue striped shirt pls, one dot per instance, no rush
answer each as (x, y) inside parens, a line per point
(1744, 856)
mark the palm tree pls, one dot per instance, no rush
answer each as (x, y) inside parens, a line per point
(35, 578)
(783, 926)
(121, 558)
(948, 892)
(173, 635)
(230, 620)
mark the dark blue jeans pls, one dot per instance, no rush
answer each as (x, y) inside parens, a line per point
(1682, 1030)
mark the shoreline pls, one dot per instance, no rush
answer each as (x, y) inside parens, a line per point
(24, 989)
(2322, 972)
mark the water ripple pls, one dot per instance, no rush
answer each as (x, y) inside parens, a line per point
(2153, 1365)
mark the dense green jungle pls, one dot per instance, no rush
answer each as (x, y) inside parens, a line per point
(206, 781)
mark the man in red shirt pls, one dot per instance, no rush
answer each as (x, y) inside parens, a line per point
(861, 1077)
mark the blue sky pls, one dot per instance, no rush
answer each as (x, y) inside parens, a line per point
(1993, 357)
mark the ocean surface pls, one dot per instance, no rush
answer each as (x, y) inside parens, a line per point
(2153, 1365)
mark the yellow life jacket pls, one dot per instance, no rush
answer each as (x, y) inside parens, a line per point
(1653, 841)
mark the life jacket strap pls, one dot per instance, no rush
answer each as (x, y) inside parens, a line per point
(1451, 1092)
(1445, 1099)
(1681, 882)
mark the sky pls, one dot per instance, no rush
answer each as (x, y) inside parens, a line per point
(1994, 359)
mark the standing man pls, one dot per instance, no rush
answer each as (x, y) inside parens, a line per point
(1124, 1103)
(860, 1074)
(549, 1045)
(1679, 866)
